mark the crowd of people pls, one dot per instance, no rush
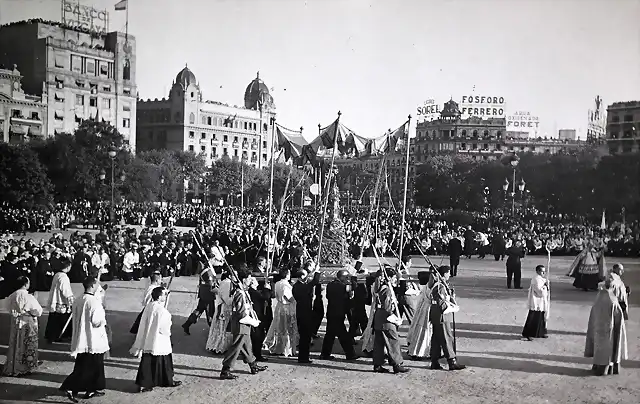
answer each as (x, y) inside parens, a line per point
(249, 315)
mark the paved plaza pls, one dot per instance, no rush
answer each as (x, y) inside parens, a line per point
(502, 367)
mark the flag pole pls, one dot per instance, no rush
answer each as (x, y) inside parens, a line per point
(273, 134)
(328, 185)
(404, 201)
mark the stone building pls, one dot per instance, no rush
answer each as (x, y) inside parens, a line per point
(623, 127)
(22, 117)
(186, 121)
(79, 74)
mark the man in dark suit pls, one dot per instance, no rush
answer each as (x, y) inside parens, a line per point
(240, 327)
(303, 293)
(455, 250)
(469, 239)
(514, 266)
(339, 301)
(207, 289)
(261, 296)
(498, 245)
(386, 331)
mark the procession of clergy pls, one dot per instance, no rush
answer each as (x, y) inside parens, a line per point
(238, 307)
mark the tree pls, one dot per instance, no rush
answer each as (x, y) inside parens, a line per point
(174, 166)
(74, 162)
(23, 180)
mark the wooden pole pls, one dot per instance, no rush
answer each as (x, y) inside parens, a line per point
(273, 134)
(404, 200)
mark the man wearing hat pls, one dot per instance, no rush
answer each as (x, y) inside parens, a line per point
(443, 304)
(385, 326)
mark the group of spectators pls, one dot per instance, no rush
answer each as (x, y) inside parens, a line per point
(164, 244)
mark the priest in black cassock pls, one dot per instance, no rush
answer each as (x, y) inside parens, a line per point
(303, 291)
(153, 345)
(261, 296)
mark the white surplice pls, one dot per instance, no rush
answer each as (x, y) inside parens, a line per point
(60, 294)
(154, 333)
(89, 321)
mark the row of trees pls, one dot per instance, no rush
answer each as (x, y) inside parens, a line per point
(583, 183)
(79, 166)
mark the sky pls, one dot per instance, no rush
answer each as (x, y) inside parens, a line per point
(377, 61)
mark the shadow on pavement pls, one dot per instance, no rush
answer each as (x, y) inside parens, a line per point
(526, 366)
(631, 364)
(507, 329)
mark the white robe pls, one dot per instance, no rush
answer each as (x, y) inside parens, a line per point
(89, 321)
(154, 333)
(60, 294)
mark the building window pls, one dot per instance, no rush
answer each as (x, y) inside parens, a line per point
(464, 132)
(204, 120)
(93, 102)
(106, 103)
(628, 118)
(58, 98)
(614, 135)
(193, 94)
(235, 152)
(126, 70)
(203, 148)
(225, 151)
(475, 133)
(192, 118)
(499, 134)
(264, 127)
(126, 123)
(264, 156)
(214, 152)
(209, 120)
(106, 89)
(76, 64)
(486, 133)
(203, 136)
(191, 148)
(264, 144)
(58, 116)
(192, 134)
(91, 67)
(615, 118)
(126, 107)
(79, 99)
(225, 138)
(59, 61)
(235, 139)
(104, 69)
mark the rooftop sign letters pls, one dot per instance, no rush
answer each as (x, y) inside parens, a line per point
(482, 106)
(429, 111)
(84, 17)
(523, 120)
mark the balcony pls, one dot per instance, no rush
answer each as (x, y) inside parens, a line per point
(236, 144)
(254, 146)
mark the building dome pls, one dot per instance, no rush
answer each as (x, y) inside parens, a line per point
(450, 110)
(186, 77)
(256, 94)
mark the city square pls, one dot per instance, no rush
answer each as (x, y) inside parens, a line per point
(319, 201)
(501, 365)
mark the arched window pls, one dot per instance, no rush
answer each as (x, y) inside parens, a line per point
(193, 94)
(486, 133)
(204, 120)
(499, 133)
(464, 132)
(265, 127)
(475, 133)
(209, 120)
(192, 118)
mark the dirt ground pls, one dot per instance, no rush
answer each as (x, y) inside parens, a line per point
(501, 367)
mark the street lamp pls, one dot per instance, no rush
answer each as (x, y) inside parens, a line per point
(514, 164)
(521, 185)
(505, 186)
(112, 155)
(161, 190)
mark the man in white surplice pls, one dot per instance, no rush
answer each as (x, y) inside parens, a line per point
(153, 345)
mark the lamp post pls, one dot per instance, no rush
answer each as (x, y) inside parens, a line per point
(514, 164)
(521, 186)
(112, 155)
(161, 190)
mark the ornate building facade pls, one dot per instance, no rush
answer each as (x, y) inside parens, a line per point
(22, 117)
(185, 121)
(80, 75)
(623, 127)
